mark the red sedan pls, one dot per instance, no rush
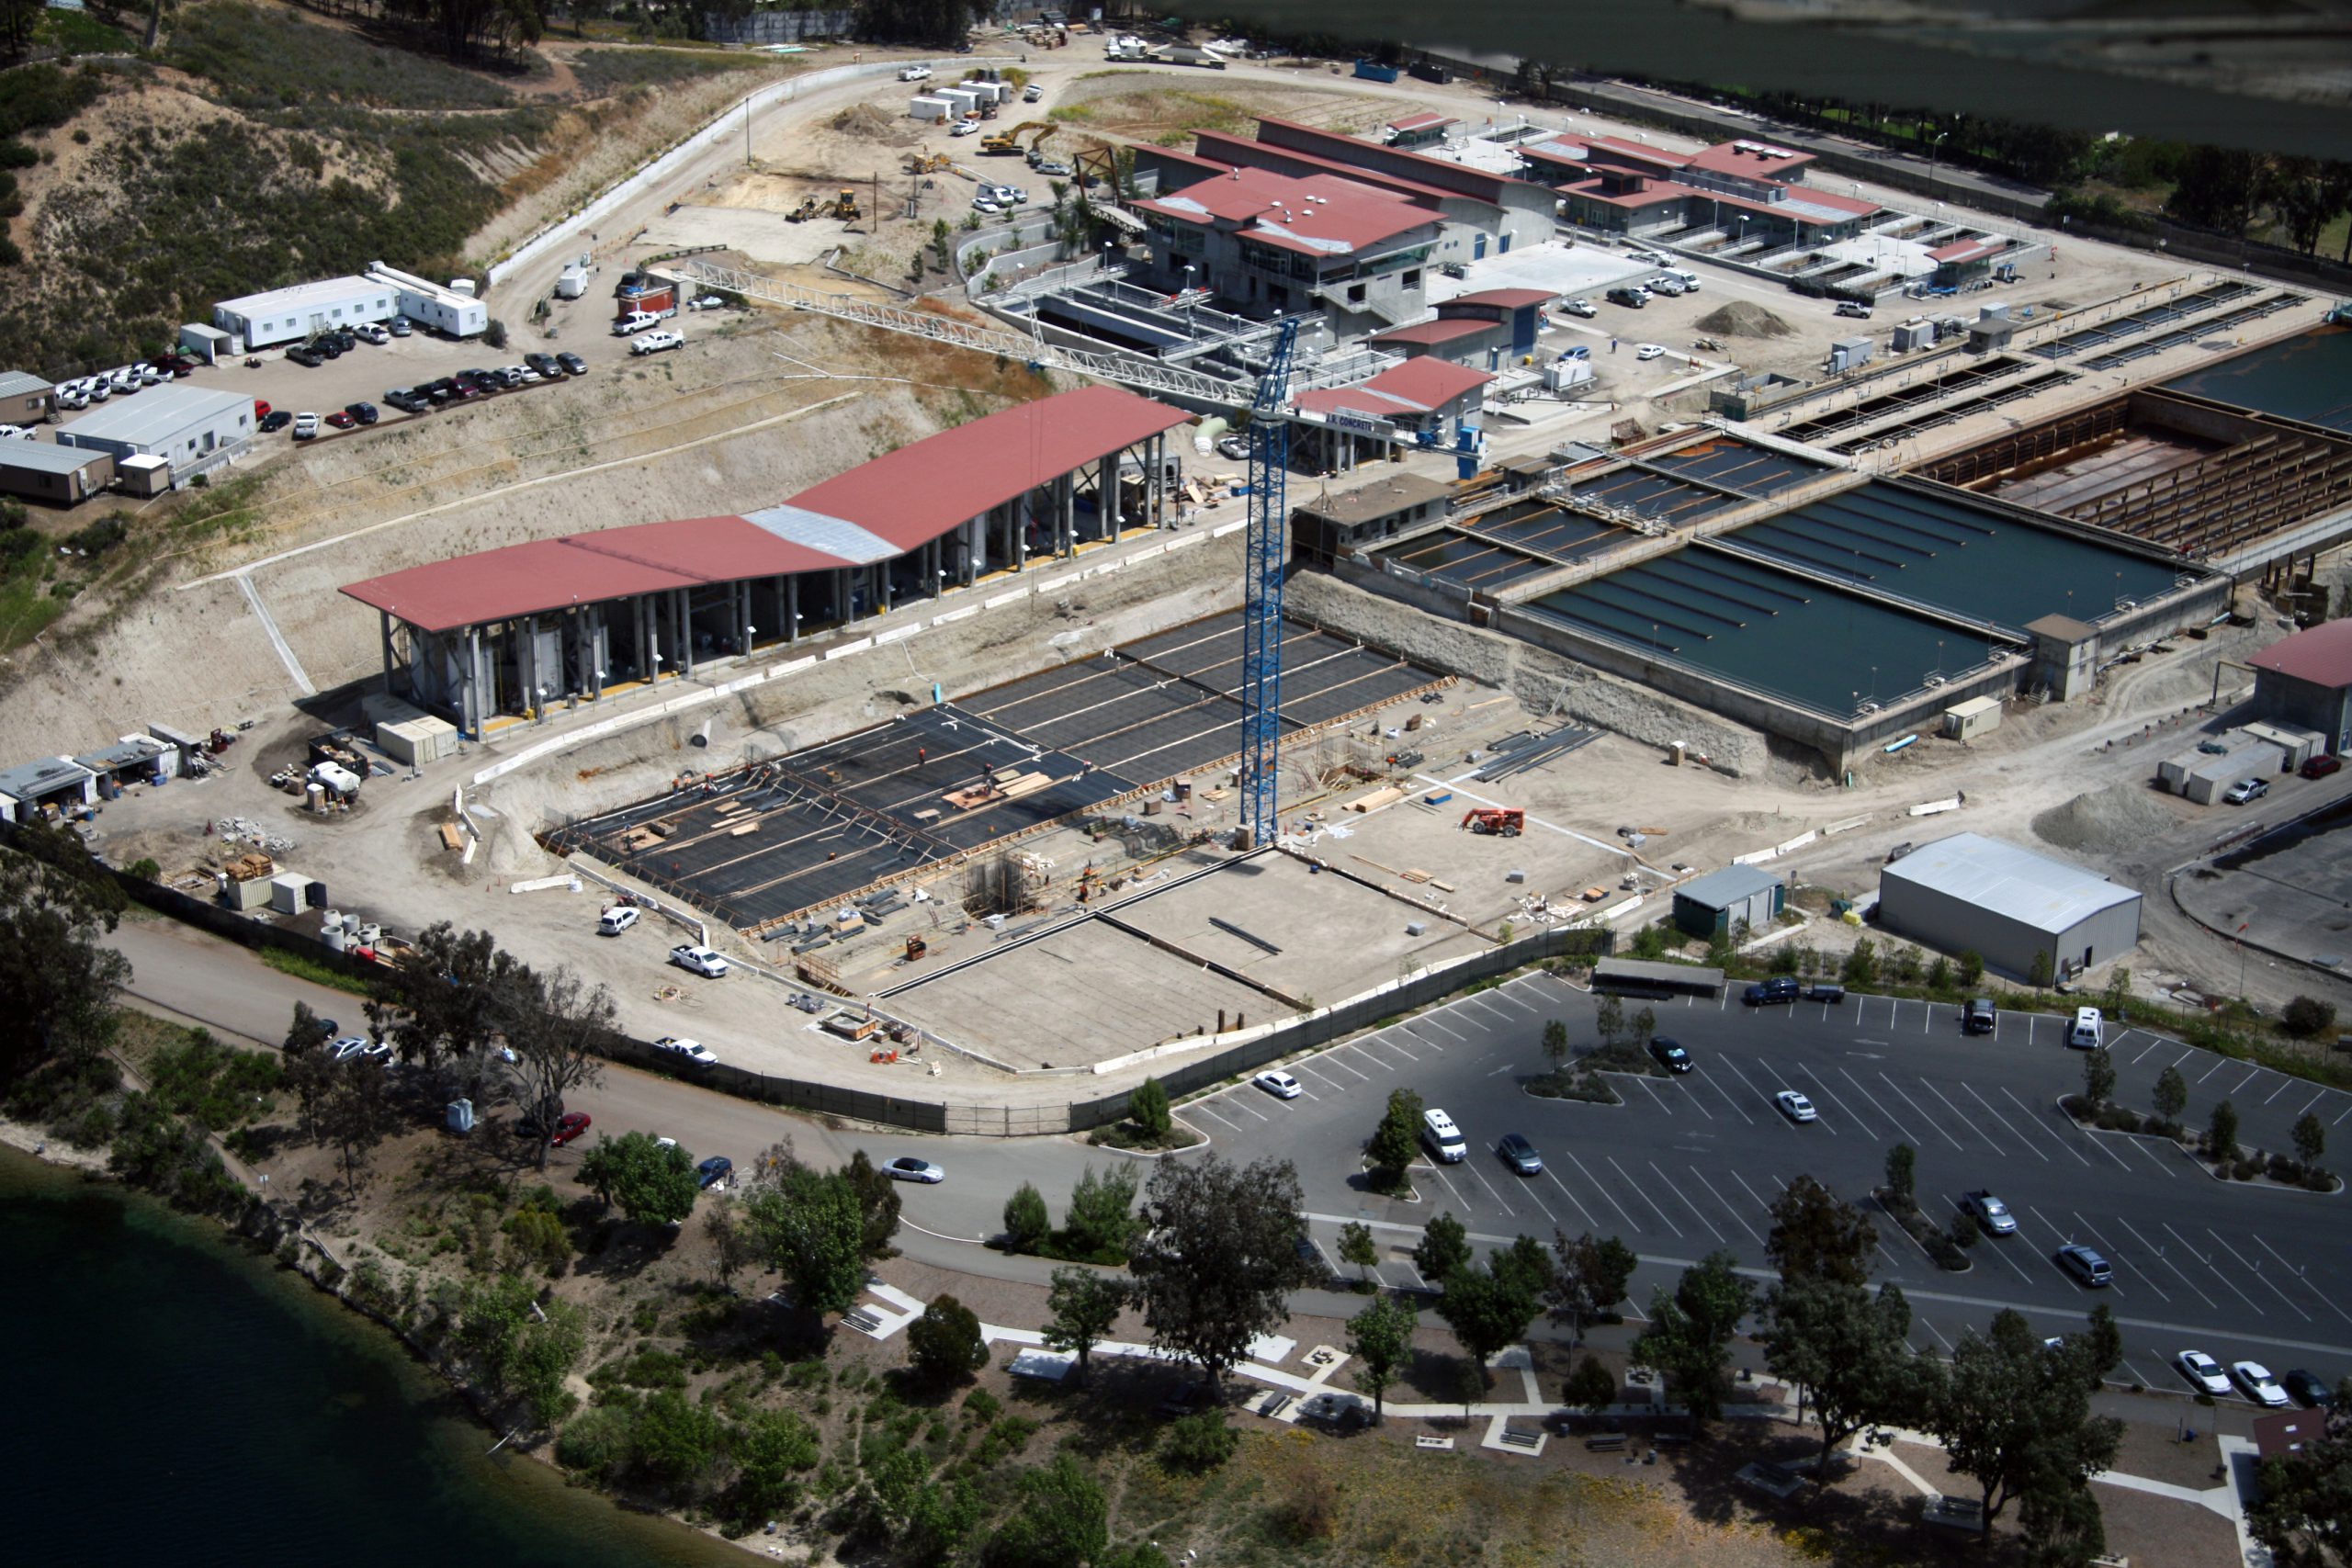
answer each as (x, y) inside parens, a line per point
(569, 1126)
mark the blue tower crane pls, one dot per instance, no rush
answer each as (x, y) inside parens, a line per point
(1261, 599)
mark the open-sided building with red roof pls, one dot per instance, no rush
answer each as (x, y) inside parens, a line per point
(509, 632)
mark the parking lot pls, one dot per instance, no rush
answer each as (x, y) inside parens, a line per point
(1691, 1164)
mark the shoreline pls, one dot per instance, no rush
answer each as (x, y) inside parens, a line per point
(307, 1252)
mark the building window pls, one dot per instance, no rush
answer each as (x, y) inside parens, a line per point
(1412, 279)
(1355, 294)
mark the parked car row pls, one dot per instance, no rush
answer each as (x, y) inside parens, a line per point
(336, 342)
(81, 393)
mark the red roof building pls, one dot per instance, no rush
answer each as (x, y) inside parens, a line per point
(1402, 393)
(505, 631)
(2306, 681)
(2320, 657)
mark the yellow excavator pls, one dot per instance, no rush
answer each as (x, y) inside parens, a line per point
(1010, 141)
(927, 163)
(846, 207)
(802, 213)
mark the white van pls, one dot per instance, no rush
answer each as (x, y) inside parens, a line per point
(2090, 1030)
(1443, 1138)
(1690, 281)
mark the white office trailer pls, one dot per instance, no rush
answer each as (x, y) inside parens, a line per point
(188, 428)
(928, 107)
(454, 312)
(301, 313)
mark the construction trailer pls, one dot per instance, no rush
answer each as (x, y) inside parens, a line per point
(60, 475)
(25, 399)
(188, 428)
(453, 310)
(302, 311)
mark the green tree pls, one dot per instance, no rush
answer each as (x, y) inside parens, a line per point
(677, 1439)
(555, 1038)
(2098, 1078)
(545, 1352)
(2170, 1097)
(1588, 1277)
(1555, 1045)
(944, 1344)
(2117, 995)
(1609, 1018)
(2222, 1135)
(2039, 973)
(1489, 1305)
(1689, 1333)
(1817, 1235)
(1444, 1247)
(653, 1182)
(1395, 1139)
(1902, 1175)
(1939, 975)
(536, 1239)
(1058, 1521)
(57, 984)
(1644, 1028)
(771, 1449)
(2302, 1510)
(2307, 1016)
(1147, 1108)
(1086, 1304)
(1861, 965)
(1357, 1246)
(1590, 1386)
(353, 1112)
(877, 1205)
(2008, 1425)
(809, 1224)
(732, 1243)
(1220, 1260)
(1026, 1222)
(306, 1033)
(1844, 1349)
(2060, 1524)
(1972, 969)
(1379, 1338)
(451, 1001)
(1100, 1222)
(2310, 1140)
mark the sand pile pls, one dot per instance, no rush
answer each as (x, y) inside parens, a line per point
(2106, 821)
(868, 124)
(1740, 319)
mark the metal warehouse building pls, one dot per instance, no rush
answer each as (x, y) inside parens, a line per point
(190, 428)
(1718, 901)
(1971, 894)
(488, 639)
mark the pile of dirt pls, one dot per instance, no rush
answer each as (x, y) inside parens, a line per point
(868, 123)
(2106, 821)
(1740, 319)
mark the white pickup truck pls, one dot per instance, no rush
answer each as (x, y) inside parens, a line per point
(654, 342)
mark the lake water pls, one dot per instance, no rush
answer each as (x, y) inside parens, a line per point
(173, 1398)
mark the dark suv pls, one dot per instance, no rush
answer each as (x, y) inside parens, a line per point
(1773, 992)
(1627, 297)
(1979, 1017)
(1669, 1054)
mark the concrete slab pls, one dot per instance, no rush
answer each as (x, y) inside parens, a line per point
(1075, 998)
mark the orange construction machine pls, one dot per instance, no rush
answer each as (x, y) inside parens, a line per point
(1505, 820)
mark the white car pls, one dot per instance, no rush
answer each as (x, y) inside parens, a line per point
(370, 332)
(1794, 1106)
(616, 919)
(654, 342)
(1279, 1084)
(906, 1167)
(2203, 1370)
(306, 425)
(987, 204)
(350, 1046)
(966, 128)
(1032, 93)
(701, 960)
(1649, 351)
(2260, 1386)
(915, 74)
(1580, 306)
(693, 1051)
(1991, 1214)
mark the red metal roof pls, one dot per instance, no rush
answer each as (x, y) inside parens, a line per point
(1326, 215)
(1433, 333)
(1427, 119)
(1238, 151)
(1965, 250)
(1753, 158)
(2321, 656)
(915, 494)
(1415, 387)
(1509, 299)
(906, 498)
(1442, 172)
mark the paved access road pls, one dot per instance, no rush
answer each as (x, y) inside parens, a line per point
(1691, 1164)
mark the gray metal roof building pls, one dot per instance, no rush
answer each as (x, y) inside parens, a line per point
(1968, 893)
(29, 784)
(1721, 899)
(188, 425)
(21, 384)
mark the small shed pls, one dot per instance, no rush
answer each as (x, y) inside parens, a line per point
(209, 344)
(50, 781)
(134, 758)
(144, 475)
(62, 475)
(1964, 721)
(2297, 745)
(417, 741)
(1715, 904)
(1850, 353)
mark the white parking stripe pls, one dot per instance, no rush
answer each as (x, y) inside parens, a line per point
(1644, 1195)
(1880, 1109)
(1667, 1183)
(2062, 1232)
(1332, 1084)
(1651, 1089)
(1743, 1078)
(1962, 1116)
(1753, 1233)
(2063, 1142)
(2219, 1063)
(1690, 1098)
(1928, 1324)
(1203, 1108)
(1761, 1202)
(2346, 1112)
(1501, 1200)
(1631, 1223)
(1459, 1038)
(2168, 1262)
(1822, 1099)
(1728, 1100)
(1590, 1224)
(2005, 1122)
(2002, 1252)
(2167, 1167)
(2328, 1299)
(1922, 1109)
(2284, 1085)
(2114, 1256)
(2154, 1041)
(1359, 1048)
(1398, 1047)
(1331, 1058)
(2309, 1103)
(2224, 1274)
(2231, 1093)
(1483, 1005)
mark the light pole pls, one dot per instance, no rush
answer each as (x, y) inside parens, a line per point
(1935, 145)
